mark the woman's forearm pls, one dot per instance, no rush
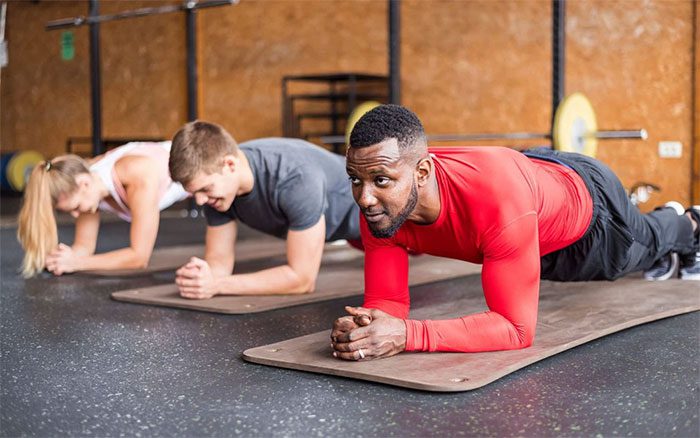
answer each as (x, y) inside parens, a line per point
(125, 258)
(82, 250)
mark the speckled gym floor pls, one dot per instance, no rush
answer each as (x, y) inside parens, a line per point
(74, 362)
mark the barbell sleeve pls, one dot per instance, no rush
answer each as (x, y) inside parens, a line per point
(639, 134)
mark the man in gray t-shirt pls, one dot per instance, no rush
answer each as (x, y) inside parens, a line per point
(288, 188)
(295, 183)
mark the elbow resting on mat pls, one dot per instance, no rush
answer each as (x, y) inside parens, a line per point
(134, 259)
(299, 283)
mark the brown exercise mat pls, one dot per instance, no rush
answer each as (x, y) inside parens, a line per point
(341, 275)
(171, 258)
(570, 314)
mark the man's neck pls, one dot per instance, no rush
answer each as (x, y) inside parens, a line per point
(428, 208)
(247, 179)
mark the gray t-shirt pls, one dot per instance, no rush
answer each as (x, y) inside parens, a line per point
(295, 182)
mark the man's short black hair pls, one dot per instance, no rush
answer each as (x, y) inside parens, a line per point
(385, 122)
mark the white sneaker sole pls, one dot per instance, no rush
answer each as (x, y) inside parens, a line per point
(671, 273)
(692, 277)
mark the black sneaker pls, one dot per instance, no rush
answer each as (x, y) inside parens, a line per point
(664, 268)
(694, 212)
(690, 264)
(690, 267)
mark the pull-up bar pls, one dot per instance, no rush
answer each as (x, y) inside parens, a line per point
(94, 19)
(188, 5)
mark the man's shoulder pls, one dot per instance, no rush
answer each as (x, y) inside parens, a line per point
(286, 157)
(480, 164)
(473, 154)
(281, 144)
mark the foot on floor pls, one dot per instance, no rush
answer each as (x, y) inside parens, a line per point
(690, 263)
(664, 268)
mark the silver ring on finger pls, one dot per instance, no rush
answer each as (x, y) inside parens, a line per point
(362, 353)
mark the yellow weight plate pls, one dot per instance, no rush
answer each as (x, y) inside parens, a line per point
(355, 115)
(575, 126)
(20, 166)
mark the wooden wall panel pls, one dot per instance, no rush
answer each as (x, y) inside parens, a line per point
(144, 73)
(633, 60)
(477, 66)
(45, 100)
(467, 66)
(248, 48)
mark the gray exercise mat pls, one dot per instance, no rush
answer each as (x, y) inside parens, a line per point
(570, 314)
(341, 275)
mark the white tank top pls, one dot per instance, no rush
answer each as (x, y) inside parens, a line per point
(169, 191)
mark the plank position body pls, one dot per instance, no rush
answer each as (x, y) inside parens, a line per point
(287, 188)
(541, 214)
(131, 181)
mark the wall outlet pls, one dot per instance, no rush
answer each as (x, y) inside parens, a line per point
(670, 149)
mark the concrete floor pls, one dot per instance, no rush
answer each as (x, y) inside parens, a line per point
(74, 362)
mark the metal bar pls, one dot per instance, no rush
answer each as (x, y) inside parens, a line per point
(695, 105)
(191, 35)
(352, 93)
(285, 116)
(395, 51)
(3, 15)
(334, 108)
(142, 12)
(332, 139)
(558, 53)
(3, 44)
(489, 136)
(191, 45)
(634, 134)
(95, 81)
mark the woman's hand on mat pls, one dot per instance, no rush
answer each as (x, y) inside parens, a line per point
(195, 280)
(367, 334)
(62, 260)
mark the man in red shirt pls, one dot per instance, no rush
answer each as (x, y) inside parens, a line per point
(524, 216)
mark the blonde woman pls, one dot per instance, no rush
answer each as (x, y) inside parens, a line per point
(131, 181)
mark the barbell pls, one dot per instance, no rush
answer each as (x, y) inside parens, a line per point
(575, 128)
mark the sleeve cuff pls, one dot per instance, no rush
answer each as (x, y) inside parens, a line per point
(397, 310)
(416, 336)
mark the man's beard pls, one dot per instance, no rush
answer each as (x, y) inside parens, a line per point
(399, 219)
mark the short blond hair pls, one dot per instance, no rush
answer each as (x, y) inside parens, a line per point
(36, 230)
(199, 147)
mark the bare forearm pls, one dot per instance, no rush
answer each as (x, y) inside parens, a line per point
(82, 250)
(274, 281)
(125, 258)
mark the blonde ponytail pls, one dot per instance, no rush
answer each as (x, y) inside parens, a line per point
(37, 231)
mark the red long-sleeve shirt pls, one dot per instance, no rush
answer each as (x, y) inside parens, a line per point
(498, 208)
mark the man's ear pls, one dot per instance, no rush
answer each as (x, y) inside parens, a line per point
(424, 169)
(230, 162)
